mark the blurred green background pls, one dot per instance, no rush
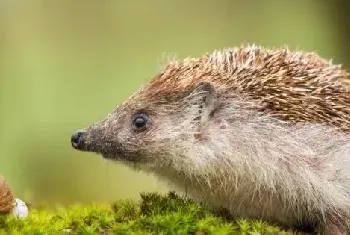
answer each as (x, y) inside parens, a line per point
(66, 64)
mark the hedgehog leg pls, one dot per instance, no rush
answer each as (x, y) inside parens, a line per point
(281, 232)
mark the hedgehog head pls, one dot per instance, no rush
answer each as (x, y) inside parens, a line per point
(162, 114)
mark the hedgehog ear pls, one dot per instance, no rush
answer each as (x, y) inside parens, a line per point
(204, 95)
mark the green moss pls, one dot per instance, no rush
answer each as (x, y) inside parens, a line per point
(153, 214)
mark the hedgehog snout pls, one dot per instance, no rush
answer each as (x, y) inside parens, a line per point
(78, 139)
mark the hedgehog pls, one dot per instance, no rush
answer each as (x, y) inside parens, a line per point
(263, 133)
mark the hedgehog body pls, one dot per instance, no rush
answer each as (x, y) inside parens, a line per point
(263, 133)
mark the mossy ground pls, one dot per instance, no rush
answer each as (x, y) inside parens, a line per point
(153, 214)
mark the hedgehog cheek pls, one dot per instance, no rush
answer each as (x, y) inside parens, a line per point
(204, 97)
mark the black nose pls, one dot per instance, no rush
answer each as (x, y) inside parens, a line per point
(77, 139)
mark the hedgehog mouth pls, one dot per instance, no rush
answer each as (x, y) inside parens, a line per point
(111, 152)
(121, 157)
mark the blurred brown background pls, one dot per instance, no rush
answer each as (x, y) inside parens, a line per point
(65, 64)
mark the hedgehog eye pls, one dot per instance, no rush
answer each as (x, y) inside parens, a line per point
(139, 122)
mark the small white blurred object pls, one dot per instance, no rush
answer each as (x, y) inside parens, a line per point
(10, 204)
(20, 210)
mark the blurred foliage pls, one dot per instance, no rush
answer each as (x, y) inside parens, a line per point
(66, 64)
(153, 214)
